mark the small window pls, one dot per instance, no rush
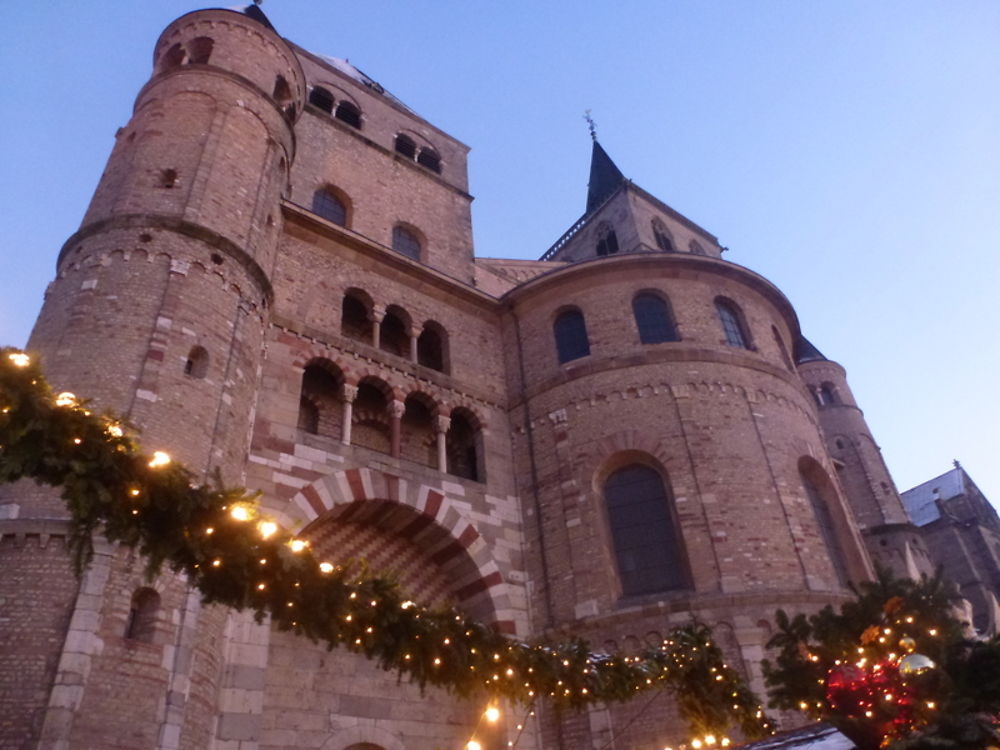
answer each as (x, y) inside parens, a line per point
(826, 395)
(394, 333)
(282, 93)
(732, 324)
(570, 331)
(168, 178)
(607, 240)
(348, 112)
(432, 347)
(142, 615)
(647, 545)
(173, 57)
(196, 365)
(199, 50)
(321, 98)
(662, 236)
(355, 321)
(406, 146)
(463, 446)
(653, 319)
(405, 242)
(696, 249)
(329, 206)
(429, 158)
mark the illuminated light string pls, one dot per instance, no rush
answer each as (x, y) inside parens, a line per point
(236, 555)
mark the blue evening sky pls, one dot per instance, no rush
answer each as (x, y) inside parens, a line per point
(849, 151)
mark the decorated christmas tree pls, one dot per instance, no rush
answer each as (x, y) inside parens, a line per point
(895, 668)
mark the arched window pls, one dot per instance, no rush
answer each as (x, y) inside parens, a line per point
(607, 240)
(173, 57)
(429, 158)
(732, 323)
(320, 97)
(142, 615)
(406, 146)
(349, 112)
(196, 365)
(826, 394)
(370, 417)
(647, 543)
(394, 332)
(320, 403)
(199, 50)
(418, 441)
(405, 242)
(326, 204)
(570, 331)
(355, 320)
(653, 319)
(695, 248)
(282, 93)
(463, 445)
(662, 236)
(782, 349)
(432, 347)
(820, 493)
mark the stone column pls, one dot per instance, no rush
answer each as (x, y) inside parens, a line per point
(414, 335)
(441, 427)
(350, 393)
(378, 314)
(396, 409)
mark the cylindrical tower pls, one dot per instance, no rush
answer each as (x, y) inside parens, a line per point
(157, 313)
(678, 464)
(891, 538)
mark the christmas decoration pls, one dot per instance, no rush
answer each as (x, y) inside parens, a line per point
(890, 669)
(228, 548)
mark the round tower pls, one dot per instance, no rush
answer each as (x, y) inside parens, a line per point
(890, 536)
(158, 313)
(678, 470)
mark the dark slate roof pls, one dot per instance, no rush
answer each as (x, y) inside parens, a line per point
(605, 178)
(806, 352)
(253, 11)
(813, 737)
(921, 501)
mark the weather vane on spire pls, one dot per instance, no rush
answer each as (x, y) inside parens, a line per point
(591, 125)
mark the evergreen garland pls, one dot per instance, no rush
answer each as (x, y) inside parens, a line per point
(234, 556)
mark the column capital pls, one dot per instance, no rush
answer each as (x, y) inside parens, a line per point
(396, 409)
(350, 393)
(442, 424)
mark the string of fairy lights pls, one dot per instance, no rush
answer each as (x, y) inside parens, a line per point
(237, 555)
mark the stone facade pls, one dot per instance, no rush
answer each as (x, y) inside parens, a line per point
(275, 280)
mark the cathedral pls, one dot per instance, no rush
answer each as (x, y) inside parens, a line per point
(275, 282)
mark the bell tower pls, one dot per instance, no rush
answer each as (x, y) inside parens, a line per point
(158, 313)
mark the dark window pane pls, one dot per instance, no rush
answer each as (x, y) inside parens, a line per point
(571, 336)
(406, 146)
(405, 243)
(653, 319)
(330, 207)
(320, 97)
(428, 157)
(647, 547)
(826, 528)
(349, 113)
(732, 326)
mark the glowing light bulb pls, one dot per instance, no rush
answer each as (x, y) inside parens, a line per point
(325, 567)
(473, 745)
(115, 430)
(267, 529)
(492, 714)
(297, 545)
(20, 359)
(241, 513)
(407, 604)
(696, 743)
(159, 460)
(66, 399)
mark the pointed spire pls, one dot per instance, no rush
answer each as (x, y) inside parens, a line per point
(605, 177)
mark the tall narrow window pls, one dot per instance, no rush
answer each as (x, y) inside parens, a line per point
(196, 365)
(432, 347)
(405, 242)
(329, 206)
(607, 240)
(732, 323)
(570, 331)
(199, 50)
(812, 475)
(355, 321)
(321, 98)
(142, 615)
(464, 447)
(653, 319)
(662, 236)
(647, 545)
(320, 403)
(348, 112)
(782, 349)
(282, 93)
(406, 146)
(826, 395)
(394, 336)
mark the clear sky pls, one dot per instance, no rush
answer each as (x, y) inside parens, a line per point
(849, 151)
